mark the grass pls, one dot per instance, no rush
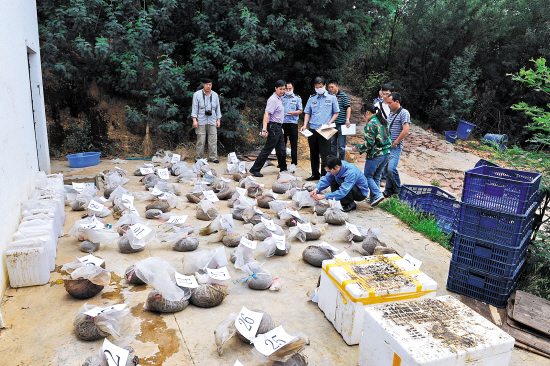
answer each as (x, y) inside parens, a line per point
(424, 224)
(436, 183)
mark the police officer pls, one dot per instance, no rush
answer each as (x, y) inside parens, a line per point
(321, 108)
(272, 128)
(293, 109)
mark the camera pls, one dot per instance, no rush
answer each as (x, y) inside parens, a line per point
(208, 113)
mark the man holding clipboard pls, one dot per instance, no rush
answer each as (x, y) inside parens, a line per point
(321, 109)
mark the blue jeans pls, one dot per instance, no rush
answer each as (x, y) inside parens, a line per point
(338, 144)
(373, 172)
(393, 183)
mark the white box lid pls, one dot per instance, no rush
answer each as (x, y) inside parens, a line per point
(437, 328)
(369, 278)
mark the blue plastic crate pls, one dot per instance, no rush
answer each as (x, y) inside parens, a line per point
(496, 259)
(494, 226)
(480, 285)
(432, 200)
(500, 189)
(483, 162)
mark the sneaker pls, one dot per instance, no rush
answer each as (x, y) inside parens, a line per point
(256, 174)
(387, 193)
(348, 208)
(376, 201)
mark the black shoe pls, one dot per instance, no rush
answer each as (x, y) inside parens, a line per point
(387, 194)
(350, 207)
(256, 174)
(313, 177)
(216, 161)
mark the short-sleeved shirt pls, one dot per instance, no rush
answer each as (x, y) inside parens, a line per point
(292, 103)
(202, 103)
(275, 108)
(321, 108)
(378, 100)
(396, 121)
(343, 104)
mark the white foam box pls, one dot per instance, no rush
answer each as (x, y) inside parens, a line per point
(28, 263)
(439, 331)
(348, 287)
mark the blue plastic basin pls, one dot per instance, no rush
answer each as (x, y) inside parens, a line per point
(464, 129)
(82, 160)
(450, 136)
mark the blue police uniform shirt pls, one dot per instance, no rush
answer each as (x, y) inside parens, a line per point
(321, 108)
(292, 103)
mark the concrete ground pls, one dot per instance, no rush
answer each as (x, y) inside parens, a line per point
(39, 320)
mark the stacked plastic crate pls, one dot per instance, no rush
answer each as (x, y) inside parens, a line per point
(493, 232)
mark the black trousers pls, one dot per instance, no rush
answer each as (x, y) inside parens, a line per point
(353, 195)
(291, 133)
(319, 147)
(275, 139)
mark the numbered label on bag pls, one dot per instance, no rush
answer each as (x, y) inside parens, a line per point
(211, 196)
(177, 219)
(156, 192)
(186, 281)
(271, 341)
(101, 310)
(140, 231)
(91, 260)
(79, 187)
(305, 227)
(219, 273)
(133, 210)
(145, 171)
(163, 173)
(175, 158)
(115, 355)
(233, 158)
(242, 167)
(96, 206)
(353, 229)
(248, 322)
(248, 243)
(127, 200)
(280, 241)
(269, 224)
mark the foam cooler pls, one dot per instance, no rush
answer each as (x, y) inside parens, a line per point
(348, 287)
(439, 331)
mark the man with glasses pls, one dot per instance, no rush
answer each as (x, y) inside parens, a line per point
(382, 105)
(206, 120)
(293, 109)
(347, 184)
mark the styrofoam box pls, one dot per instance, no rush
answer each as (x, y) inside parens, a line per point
(439, 331)
(345, 311)
(27, 262)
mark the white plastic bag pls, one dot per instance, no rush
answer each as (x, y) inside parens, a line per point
(303, 199)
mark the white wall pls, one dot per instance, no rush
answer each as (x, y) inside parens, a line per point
(19, 154)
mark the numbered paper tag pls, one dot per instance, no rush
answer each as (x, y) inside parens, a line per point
(248, 322)
(175, 158)
(296, 214)
(133, 210)
(140, 231)
(156, 192)
(163, 173)
(242, 167)
(211, 196)
(103, 199)
(79, 187)
(353, 229)
(219, 273)
(415, 262)
(91, 260)
(115, 356)
(233, 158)
(101, 310)
(177, 219)
(186, 281)
(145, 171)
(96, 206)
(248, 243)
(127, 200)
(230, 167)
(241, 191)
(305, 227)
(271, 341)
(280, 241)
(269, 224)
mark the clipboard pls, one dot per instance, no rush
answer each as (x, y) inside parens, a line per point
(327, 133)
